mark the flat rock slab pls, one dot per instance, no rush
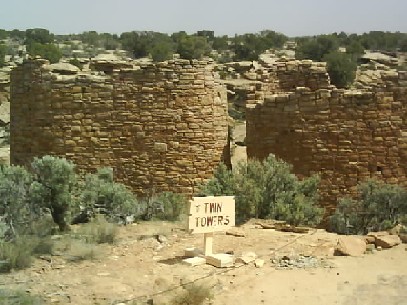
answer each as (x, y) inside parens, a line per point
(236, 233)
(351, 246)
(246, 258)
(259, 263)
(220, 260)
(369, 239)
(192, 252)
(376, 234)
(387, 241)
(194, 261)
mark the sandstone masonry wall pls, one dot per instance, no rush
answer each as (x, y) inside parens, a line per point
(278, 76)
(287, 75)
(344, 136)
(161, 126)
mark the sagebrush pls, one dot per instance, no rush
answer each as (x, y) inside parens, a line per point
(173, 205)
(267, 189)
(16, 209)
(100, 194)
(99, 231)
(379, 207)
(54, 180)
(193, 294)
(18, 297)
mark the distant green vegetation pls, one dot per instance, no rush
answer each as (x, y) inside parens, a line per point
(341, 68)
(342, 65)
(40, 42)
(161, 46)
(250, 46)
(48, 51)
(3, 50)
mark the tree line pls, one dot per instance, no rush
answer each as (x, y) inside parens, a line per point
(161, 46)
(342, 66)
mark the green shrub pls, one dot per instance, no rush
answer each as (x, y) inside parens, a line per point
(3, 52)
(19, 252)
(99, 231)
(267, 189)
(298, 205)
(42, 227)
(42, 245)
(76, 62)
(16, 297)
(45, 50)
(16, 212)
(341, 68)
(101, 194)
(79, 250)
(379, 207)
(193, 294)
(173, 205)
(16, 254)
(54, 179)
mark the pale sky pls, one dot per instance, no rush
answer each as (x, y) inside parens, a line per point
(290, 17)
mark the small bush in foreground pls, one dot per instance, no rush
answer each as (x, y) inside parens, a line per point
(35, 239)
(16, 212)
(14, 297)
(379, 207)
(79, 250)
(193, 294)
(99, 231)
(173, 205)
(100, 194)
(18, 253)
(15, 254)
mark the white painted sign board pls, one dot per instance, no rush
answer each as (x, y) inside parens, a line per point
(211, 214)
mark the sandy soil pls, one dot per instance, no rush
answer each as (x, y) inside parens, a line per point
(139, 267)
(380, 278)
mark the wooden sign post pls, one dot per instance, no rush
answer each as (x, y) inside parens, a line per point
(211, 214)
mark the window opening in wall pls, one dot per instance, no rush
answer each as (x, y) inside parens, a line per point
(379, 170)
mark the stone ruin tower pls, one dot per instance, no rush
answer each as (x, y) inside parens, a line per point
(344, 136)
(159, 126)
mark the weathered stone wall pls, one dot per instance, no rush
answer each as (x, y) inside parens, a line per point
(344, 136)
(287, 75)
(277, 76)
(161, 125)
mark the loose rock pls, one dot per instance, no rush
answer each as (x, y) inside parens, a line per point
(350, 246)
(387, 241)
(259, 263)
(246, 258)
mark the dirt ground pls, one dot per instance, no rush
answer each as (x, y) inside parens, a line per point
(139, 267)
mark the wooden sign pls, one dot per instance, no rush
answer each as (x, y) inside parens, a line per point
(211, 214)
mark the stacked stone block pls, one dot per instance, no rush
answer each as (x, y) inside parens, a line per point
(343, 136)
(286, 75)
(160, 126)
